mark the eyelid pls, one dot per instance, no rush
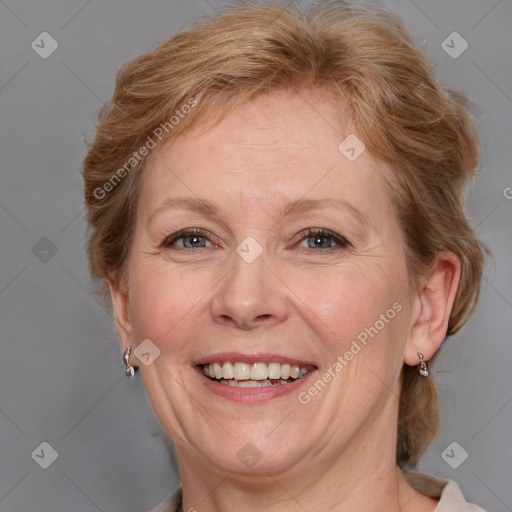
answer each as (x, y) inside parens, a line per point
(339, 239)
(169, 240)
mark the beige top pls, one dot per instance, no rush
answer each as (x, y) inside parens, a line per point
(446, 491)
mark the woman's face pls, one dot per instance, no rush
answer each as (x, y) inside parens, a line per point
(260, 241)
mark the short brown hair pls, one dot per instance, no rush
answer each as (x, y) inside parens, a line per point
(404, 117)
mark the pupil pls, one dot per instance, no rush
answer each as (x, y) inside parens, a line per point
(320, 241)
(195, 241)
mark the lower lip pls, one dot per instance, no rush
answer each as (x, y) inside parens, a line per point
(252, 394)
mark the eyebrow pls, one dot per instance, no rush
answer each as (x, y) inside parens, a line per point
(210, 209)
(191, 204)
(307, 205)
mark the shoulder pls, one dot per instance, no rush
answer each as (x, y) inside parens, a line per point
(447, 492)
(171, 504)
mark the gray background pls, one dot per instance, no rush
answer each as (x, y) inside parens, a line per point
(61, 376)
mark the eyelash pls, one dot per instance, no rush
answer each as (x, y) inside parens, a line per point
(342, 242)
(184, 233)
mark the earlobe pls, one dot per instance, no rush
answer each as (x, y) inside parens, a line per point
(120, 304)
(433, 305)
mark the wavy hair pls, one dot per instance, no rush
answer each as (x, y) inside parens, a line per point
(402, 114)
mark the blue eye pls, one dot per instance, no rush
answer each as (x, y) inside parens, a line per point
(318, 238)
(187, 239)
(314, 238)
(194, 241)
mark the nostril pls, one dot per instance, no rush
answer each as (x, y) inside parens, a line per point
(225, 319)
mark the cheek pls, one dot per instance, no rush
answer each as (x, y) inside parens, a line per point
(355, 304)
(162, 299)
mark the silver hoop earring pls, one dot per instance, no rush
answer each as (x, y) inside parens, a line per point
(423, 366)
(129, 371)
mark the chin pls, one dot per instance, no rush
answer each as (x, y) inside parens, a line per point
(253, 452)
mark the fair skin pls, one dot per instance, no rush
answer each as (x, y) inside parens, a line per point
(304, 298)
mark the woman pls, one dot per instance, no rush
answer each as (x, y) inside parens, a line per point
(275, 204)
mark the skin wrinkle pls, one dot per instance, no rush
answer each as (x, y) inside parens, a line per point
(296, 91)
(295, 302)
(211, 210)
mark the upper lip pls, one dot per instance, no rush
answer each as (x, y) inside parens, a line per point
(237, 357)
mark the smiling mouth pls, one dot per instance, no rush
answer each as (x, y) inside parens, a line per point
(255, 375)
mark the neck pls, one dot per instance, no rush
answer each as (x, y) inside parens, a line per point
(363, 477)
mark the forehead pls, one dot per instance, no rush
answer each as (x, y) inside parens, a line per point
(275, 147)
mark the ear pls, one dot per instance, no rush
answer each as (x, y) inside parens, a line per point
(120, 304)
(432, 306)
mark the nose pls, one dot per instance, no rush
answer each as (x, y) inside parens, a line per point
(250, 297)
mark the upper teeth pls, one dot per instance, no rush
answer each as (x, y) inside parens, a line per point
(254, 371)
